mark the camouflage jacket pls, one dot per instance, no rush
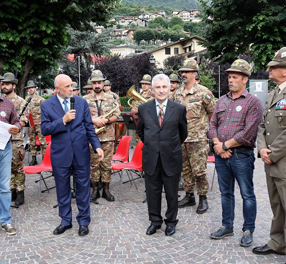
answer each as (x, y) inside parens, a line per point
(199, 103)
(106, 104)
(19, 103)
(135, 103)
(34, 108)
(115, 96)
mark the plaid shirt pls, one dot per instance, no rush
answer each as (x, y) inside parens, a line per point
(236, 118)
(8, 112)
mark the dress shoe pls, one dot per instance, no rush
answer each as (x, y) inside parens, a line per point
(263, 250)
(222, 232)
(170, 230)
(83, 230)
(246, 239)
(61, 229)
(188, 200)
(203, 205)
(152, 229)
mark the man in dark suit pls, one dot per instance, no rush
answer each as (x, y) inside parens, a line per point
(70, 125)
(162, 127)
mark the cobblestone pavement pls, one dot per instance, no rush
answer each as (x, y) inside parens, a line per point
(117, 231)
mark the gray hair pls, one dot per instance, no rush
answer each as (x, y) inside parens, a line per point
(161, 77)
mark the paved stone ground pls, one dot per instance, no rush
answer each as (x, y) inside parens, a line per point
(117, 231)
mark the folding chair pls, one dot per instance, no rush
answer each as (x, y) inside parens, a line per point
(133, 166)
(122, 152)
(45, 166)
(211, 163)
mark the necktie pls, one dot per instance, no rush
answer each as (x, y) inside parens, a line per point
(276, 93)
(65, 102)
(161, 114)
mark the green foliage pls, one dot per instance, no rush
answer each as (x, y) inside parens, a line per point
(231, 29)
(206, 76)
(194, 28)
(158, 22)
(33, 33)
(175, 21)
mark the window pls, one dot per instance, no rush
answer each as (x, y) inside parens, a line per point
(167, 51)
(176, 51)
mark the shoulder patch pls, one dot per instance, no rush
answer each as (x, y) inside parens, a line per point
(208, 96)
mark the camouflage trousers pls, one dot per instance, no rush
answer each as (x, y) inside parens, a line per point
(18, 175)
(102, 168)
(33, 131)
(194, 172)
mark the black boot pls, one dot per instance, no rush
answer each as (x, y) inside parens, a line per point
(188, 200)
(106, 193)
(20, 198)
(203, 205)
(95, 192)
(34, 161)
(13, 195)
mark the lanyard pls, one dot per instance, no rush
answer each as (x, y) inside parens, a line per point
(99, 112)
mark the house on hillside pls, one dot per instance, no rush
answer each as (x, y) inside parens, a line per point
(122, 50)
(188, 47)
(186, 15)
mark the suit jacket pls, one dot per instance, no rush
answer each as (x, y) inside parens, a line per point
(162, 141)
(71, 139)
(272, 135)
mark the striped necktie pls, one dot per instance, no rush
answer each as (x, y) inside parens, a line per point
(161, 114)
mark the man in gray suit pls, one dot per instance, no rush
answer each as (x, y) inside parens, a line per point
(162, 127)
(271, 147)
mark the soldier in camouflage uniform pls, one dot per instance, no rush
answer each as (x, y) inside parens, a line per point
(17, 183)
(200, 104)
(34, 108)
(100, 104)
(145, 93)
(75, 89)
(175, 83)
(107, 89)
(87, 88)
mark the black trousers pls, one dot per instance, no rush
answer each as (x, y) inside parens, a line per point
(154, 185)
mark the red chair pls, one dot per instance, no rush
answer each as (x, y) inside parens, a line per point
(211, 163)
(133, 166)
(45, 166)
(122, 151)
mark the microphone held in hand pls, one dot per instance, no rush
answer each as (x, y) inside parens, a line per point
(72, 102)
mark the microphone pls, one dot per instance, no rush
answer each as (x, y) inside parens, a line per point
(72, 102)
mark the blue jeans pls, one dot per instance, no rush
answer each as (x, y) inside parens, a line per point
(5, 176)
(238, 167)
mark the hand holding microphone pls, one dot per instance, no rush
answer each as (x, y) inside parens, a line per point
(70, 115)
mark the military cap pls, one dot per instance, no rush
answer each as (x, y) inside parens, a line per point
(279, 58)
(107, 83)
(74, 86)
(174, 78)
(30, 84)
(190, 65)
(146, 79)
(88, 85)
(241, 66)
(9, 77)
(97, 75)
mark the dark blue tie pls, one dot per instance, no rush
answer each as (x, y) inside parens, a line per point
(65, 102)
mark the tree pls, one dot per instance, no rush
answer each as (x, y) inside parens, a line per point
(158, 22)
(33, 33)
(175, 21)
(138, 36)
(231, 29)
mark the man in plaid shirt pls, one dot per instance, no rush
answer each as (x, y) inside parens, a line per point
(8, 115)
(233, 130)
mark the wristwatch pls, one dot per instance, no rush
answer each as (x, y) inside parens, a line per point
(224, 146)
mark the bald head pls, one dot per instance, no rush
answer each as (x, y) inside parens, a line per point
(63, 86)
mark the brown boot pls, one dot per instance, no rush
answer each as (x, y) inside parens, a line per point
(106, 193)
(188, 200)
(203, 205)
(95, 192)
(13, 195)
(20, 198)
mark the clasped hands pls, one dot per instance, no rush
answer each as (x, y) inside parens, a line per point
(225, 154)
(99, 121)
(264, 155)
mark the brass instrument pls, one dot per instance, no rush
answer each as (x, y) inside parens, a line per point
(103, 128)
(135, 95)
